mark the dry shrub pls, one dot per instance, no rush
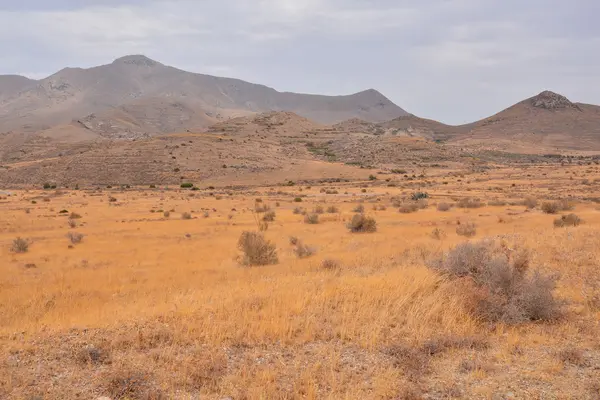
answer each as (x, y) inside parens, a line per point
(567, 220)
(333, 210)
(362, 224)
(20, 245)
(74, 215)
(298, 210)
(186, 215)
(572, 355)
(257, 250)
(467, 230)
(92, 355)
(444, 207)
(132, 385)
(312, 219)
(469, 202)
(330, 264)
(502, 289)
(497, 203)
(269, 216)
(359, 209)
(553, 207)
(438, 234)
(408, 207)
(318, 210)
(304, 251)
(530, 202)
(167, 214)
(261, 208)
(75, 237)
(294, 240)
(72, 223)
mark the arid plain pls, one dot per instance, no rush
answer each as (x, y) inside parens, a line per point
(143, 293)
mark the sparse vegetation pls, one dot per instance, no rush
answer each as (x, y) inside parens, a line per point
(186, 215)
(444, 207)
(333, 210)
(303, 251)
(567, 220)
(469, 202)
(359, 209)
(75, 237)
(269, 216)
(468, 229)
(504, 290)
(311, 218)
(186, 185)
(20, 245)
(257, 251)
(360, 223)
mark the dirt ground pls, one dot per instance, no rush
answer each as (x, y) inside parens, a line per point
(151, 305)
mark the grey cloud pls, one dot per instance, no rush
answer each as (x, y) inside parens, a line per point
(452, 60)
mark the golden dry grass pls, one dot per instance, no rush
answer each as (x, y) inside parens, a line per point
(147, 306)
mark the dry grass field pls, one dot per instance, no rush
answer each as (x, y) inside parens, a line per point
(142, 293)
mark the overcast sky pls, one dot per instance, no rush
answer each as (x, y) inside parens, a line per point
(451, 60)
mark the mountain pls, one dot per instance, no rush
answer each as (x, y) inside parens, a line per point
(547, 122)
(141, 96)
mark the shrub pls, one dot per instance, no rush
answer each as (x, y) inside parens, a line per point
(186, 215)
(312, 219)
(63, 212)
(261, 208)
(468, 202)
(298, 200)
(372, 178)
(72, 223)
(332, 210)
(166, 214)
(112, 199)
(438, 234)
(530, 202)
(419, 195)
(359, 209)
(269, 216)
(444, 207)
(467, 230)
(186, 185)
(330, 264)
(318, 210)
(256, 249)
(553, 207)
(361, 224)
(294, 240)
(408, 207)
(75, 237)
(303, 251)
(20, 245)
(74, 215)
(550, 207)
(567, 220)
(298, 210)
(503, 290)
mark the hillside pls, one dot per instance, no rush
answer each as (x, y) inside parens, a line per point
(546, 123)
(142, 96)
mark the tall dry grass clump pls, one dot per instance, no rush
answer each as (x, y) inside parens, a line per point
(257, 250)
(502, 287)
(469, 202)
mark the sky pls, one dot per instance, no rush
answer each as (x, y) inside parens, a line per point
(451, 60)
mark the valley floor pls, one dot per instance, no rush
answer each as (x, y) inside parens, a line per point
(151, 304)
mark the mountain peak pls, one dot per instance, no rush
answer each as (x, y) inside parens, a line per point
(551, 101)
(136, 59)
